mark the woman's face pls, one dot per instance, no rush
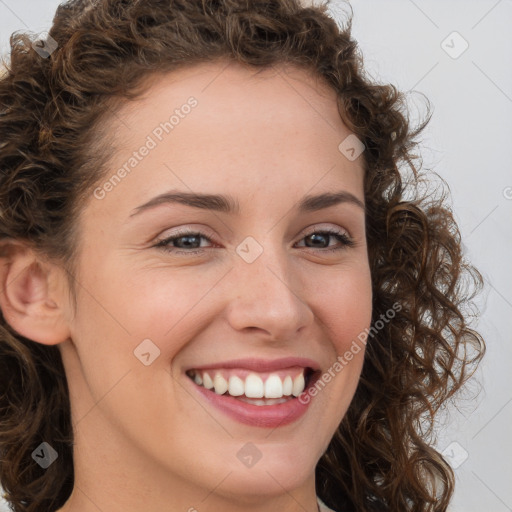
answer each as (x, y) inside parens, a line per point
(255, 292)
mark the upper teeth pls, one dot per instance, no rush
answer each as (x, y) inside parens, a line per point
(253, 385)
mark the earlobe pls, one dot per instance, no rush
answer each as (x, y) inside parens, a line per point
(25, 301)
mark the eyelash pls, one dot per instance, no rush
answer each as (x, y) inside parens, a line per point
(164, 244)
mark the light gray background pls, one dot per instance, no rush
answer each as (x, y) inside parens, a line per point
(469, 142)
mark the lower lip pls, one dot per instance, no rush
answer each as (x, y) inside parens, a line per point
(267, 416)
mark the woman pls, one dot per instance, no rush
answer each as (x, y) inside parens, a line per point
(222, 286)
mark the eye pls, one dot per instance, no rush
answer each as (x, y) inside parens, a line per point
(189, 242)
(323, 236)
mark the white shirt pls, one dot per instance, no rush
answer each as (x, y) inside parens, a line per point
(323, 507)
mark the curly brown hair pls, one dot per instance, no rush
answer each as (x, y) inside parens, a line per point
(51, 112)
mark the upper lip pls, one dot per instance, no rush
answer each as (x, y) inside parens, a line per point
(261, 365)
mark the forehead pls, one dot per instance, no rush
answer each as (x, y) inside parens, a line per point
(248, 129)
(230, 77)
(236, 95)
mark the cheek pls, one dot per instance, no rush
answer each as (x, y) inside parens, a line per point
(345, 313)
(130, 304)
(345, 307)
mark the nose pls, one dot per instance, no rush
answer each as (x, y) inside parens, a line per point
(267, 297)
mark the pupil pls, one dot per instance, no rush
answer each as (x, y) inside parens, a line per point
(316, 237)
(188, 238)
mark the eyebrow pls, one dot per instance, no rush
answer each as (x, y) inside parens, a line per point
(227, 204)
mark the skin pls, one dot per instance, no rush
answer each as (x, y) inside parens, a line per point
(142, 442)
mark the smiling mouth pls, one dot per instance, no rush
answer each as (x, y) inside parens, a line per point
(256, 388)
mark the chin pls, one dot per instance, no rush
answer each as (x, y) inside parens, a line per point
(277, 469)
(250, 487)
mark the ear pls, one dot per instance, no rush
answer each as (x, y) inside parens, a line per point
(31, 295)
